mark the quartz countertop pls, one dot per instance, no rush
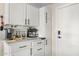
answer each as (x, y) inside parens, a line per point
(25, 39)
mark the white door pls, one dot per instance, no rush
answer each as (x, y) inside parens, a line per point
(68, 26)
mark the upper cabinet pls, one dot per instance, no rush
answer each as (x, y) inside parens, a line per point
(32, 15)
(17, 13)
(42, 22)
(21, 14)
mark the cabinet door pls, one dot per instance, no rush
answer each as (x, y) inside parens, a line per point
(20, 48)
(32, 15)
(49, 29)
(42, 22)
(47, 50)
(17, 13)
(38, 48)
(45, 27)
(35, 16)
(25, 52)
(38, 51)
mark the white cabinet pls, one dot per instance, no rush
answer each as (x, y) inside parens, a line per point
(47, 53)
(38, 51)
(32, 15)
(17, 13)
(27, 48)
(20, 49)
(38, 48)
(21, 14)
(45, 26)
(42, 22)
(25, 52)
(49, 29)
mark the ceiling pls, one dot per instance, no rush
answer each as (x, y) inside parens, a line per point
(39, 5)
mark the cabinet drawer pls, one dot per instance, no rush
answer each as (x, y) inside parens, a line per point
(37, 43)
(25, 52)
(19, 46)
(38, 51)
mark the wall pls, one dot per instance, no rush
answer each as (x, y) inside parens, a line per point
(1, 33)
(1, 8)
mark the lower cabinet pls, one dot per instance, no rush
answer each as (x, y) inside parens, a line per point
(38, 48)
(25, 52)
(20, 48)
(38, 51)
(25, 48)
(47, 53)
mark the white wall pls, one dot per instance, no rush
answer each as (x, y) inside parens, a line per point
(1, 8)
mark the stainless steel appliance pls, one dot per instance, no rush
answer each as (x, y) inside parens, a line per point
(32, 32)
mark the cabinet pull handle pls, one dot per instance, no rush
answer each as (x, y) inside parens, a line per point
(28, 21)
(46, 42)
(30, 51)
(59, 32)
(39, 49)
(39, 42)
(22, 46)
(25, 21)
(46, 17)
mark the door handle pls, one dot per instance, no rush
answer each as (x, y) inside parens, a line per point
(39, 49)
(25, 21)
(23, 46)
(46, 17)
(59, 37)
(59, 32)
(46, 42)
(31, 51)
(39, 43)
(28, 21)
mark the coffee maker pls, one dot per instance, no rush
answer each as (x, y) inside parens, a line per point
(32, 32)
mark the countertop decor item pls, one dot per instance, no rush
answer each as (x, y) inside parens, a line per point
(32, 32)
(1, 23)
